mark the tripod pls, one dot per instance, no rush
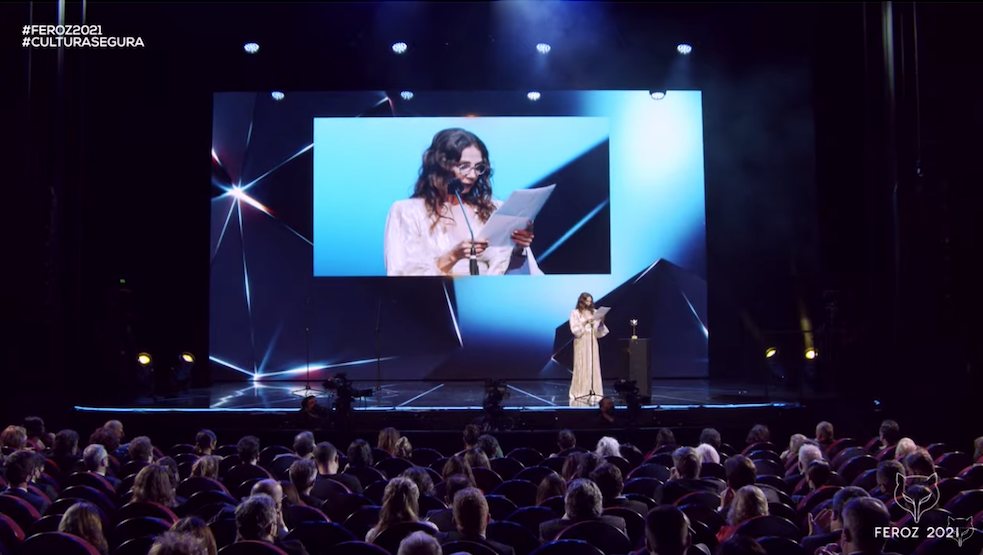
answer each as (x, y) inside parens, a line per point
(307, 391)
(590, 352)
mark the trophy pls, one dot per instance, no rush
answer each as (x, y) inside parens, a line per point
(634, 328)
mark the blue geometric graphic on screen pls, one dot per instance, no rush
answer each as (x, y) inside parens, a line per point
(657, 202)
(363, 165)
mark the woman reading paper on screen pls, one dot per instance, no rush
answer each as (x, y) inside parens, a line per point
(427, 235)
(586, 330)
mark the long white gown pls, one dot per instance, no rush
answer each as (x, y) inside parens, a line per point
(586, 359)
(412, 246)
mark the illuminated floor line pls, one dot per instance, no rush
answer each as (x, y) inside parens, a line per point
(427, 392)
(714, 406)
(531, 395)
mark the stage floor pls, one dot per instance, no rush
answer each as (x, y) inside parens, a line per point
(448, 395)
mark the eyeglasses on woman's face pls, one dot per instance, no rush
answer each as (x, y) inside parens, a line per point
(465, 168)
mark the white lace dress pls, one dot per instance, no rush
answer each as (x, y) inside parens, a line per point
(586, 359)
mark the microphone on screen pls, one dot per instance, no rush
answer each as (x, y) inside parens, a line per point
(454, 187)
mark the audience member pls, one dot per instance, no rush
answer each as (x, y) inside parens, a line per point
(177, 543)
(905, 447)
(711, 437)
(707, 453)
(141, 450)
(34, 430)
(419, 543)
(792, 453)
(206, 466)
(304, 445)
(13, 438)
(919, 463)
(387, 440)
(740, 472)
(153, 485)
(470, 438)
(302, 474)
(197, 528)
(862, 517)
(476, 458)
(256, 519)
(824, 435)
(684, 477)
(248, 449)
(605, 411)
(443, 519)
(666, 531)
(749, 502)
(889, 434)
(550, 486)
(84, 520)
(759, 434)
(608, 447)
(566, 442)
(489, 444)
(583, 502)
(205, 442)
(96, 460)
(23, 468)
(610, 481)
(471, 516)
(421, 478)
(404, 449)
(827, 526)
(274, 490)
(457, 465)
(400, 503)
(887, 480)
(359, 453)
(327, 460)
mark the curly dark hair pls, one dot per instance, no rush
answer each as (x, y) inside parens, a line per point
(436, 173)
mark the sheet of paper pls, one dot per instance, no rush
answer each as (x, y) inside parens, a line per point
(521, 207)
(601, 311)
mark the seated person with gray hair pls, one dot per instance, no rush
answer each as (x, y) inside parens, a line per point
(256, 519)
(861, 519)
(583, 503)
(685, 477)
(96, 460)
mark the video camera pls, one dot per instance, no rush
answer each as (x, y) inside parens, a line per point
(343, 388)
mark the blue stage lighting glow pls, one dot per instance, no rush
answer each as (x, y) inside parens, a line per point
(534, 95)
(277, 95)
(684, 49)
(543, 48)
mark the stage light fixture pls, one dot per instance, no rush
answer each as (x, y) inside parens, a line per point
(770, 352)
(543, 48)
(684, 49)
(657, 94)
(400, 47)
(145, 359)
(188, 358)
(277, 95)
(811, 354)
(406, 95)
(534, 95)
(251, 47)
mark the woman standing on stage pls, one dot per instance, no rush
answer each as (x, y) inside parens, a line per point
(586, 359)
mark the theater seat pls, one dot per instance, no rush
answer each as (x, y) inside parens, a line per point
(51, 543)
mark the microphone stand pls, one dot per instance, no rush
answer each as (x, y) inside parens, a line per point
(473, 258)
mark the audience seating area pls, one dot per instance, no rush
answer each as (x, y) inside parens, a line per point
(511, 485)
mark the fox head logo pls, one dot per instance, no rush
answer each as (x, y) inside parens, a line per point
(965, 528)
(920, 497)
